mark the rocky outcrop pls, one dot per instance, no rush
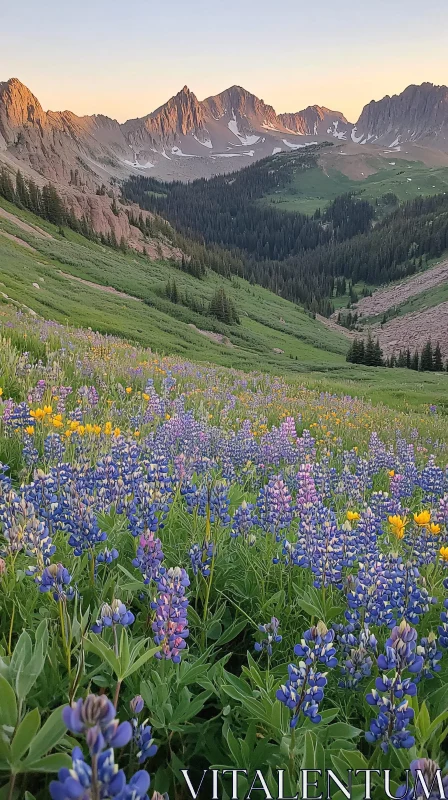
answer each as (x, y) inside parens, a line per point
(181, 115)
(184, 138)
(313, 120)
(420, 113)
(240, 103)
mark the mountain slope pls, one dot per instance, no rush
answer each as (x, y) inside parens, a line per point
(70, 279)
(183, 138)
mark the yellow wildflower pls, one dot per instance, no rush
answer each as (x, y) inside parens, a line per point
(108, 428)
(81, 430)
(37, 414)
(168, 416)
(117, 431)
(391, 473)
(48, 410)
(434, 529)
(128, 389)
(30, 429)
(444, 553)
(352, 516)
(398, 525)
(68, 433)
(74, 425)
(145, 396)
(97, 429)
(137, 434)
(1, 392)
(422, 519)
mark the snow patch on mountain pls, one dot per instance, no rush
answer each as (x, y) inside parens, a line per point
(356, 139)
(297, 146)
(334, 131)
(246, 140)
(206, 142)
(176, 151)
(136, 165)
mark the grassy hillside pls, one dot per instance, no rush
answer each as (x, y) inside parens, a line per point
(315, 188)
(48, 279)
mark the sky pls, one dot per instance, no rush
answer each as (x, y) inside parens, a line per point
(124, 59)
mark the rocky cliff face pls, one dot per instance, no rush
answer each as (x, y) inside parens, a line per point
(313, 120)
(181, 115)
(184, 138)
(238, 102)
(420, 113)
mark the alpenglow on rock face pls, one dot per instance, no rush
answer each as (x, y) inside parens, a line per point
(420, 113)
(186, 138)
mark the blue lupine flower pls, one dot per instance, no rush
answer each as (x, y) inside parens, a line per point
(431, 656)
(303, 691)
(443, 628)
(201, 558)
(243, 522)
(272, 636)
(29, 452)
(107, 556)
(143, 741)
(56, 579)
(114, 614)
(390, 727)
(82, 525)
(53, 447)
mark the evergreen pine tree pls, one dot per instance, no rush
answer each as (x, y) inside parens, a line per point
(6, 186)
(370, 356)
(437, 359)
(378, 355)
(426, 359)
(21, 191)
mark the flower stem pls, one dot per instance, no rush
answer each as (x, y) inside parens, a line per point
(117, 693)
(10, 629)
(12, 784)
(64, 640)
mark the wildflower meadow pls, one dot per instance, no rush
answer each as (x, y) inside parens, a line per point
(202, 569)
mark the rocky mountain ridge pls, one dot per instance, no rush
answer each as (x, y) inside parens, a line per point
(187, 138)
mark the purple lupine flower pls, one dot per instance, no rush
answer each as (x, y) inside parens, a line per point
(149, 556)
(429, 783)
(170, 624)
(274, 505)
(137, 704)
(94, 718)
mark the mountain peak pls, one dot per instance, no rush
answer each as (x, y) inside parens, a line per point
(419, 112)
(19, 105)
